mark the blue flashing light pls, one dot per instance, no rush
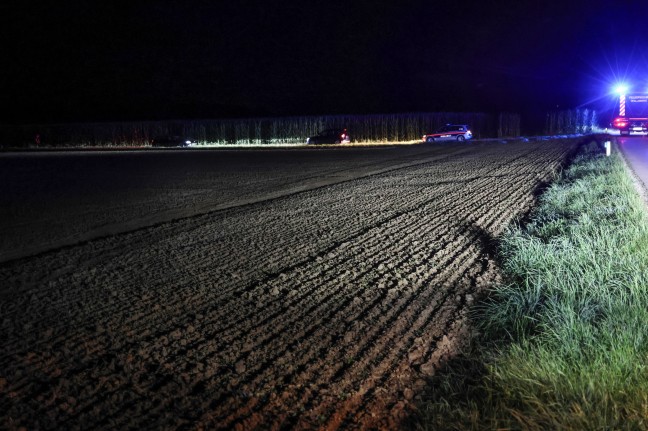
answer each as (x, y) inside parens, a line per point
(621, 88)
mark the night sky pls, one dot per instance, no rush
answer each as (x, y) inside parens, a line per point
(144, 60)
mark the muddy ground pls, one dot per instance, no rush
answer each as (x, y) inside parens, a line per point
(319, 303)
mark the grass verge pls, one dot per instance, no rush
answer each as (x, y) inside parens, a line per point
(564, 343)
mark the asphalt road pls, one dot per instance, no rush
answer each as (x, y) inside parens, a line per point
(53, 199)
(635, 149)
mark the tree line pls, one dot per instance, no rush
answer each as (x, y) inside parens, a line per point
(258, 131)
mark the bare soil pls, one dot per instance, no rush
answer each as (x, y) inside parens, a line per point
(322, 309)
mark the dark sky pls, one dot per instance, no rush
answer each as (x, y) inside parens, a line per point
(121, 60)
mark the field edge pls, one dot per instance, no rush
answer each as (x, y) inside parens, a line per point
(559, 343)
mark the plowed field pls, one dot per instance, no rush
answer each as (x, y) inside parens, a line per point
(325, 308)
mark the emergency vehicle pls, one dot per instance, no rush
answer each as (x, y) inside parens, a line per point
(449, 132)
(633, 114)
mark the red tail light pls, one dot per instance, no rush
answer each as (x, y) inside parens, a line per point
(620, 122)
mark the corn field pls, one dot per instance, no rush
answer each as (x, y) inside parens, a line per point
(259, 131)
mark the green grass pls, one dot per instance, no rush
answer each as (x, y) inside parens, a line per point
(564, 343)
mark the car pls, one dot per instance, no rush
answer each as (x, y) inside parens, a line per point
(330, 136)
(450, 132)
(172, 141)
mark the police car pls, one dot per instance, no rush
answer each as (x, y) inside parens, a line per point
(450, 132)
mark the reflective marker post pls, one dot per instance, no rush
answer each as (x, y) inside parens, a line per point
(608, 148)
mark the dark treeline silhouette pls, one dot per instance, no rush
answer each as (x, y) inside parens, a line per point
(258, 131)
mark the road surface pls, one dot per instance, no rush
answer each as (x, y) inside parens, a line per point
(635, 149)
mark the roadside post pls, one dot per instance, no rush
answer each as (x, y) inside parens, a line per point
(608, 148)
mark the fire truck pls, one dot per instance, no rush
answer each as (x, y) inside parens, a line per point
(633, 114)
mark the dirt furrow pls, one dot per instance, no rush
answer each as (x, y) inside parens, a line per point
(376, 318)
(326, 308)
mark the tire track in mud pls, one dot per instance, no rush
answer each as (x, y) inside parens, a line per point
(327, 308)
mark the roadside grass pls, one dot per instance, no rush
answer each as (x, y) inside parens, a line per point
(564, 343)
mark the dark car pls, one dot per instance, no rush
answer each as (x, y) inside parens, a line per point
(450, 132)
(330, 136)
(172, 141)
